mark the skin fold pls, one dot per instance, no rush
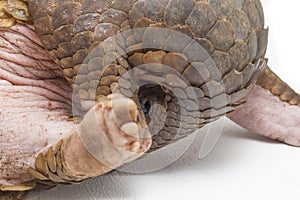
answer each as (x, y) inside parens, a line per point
(86, 86)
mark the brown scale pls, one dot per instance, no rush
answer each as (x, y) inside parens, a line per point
(13, 11)
(50, 168)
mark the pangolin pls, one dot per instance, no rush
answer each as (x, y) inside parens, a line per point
(88, 85)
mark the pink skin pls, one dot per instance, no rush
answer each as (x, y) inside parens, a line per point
(265, 114)
(35, 107)
(33, 96)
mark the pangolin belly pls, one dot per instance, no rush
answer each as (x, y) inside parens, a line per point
(34, 103)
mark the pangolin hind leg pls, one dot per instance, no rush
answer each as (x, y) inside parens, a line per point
(272, 109)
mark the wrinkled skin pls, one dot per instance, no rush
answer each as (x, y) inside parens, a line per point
(76, 56)
(35, 117)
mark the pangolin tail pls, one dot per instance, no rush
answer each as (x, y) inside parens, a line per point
(270, 81)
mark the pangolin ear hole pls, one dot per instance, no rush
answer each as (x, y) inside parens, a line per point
(149, 95)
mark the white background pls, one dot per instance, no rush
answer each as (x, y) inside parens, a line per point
(242, 165)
